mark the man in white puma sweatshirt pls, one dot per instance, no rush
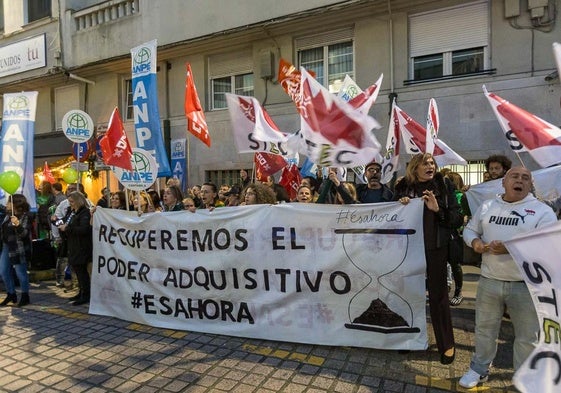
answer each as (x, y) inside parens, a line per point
(501, 282)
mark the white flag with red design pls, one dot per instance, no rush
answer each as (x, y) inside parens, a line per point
(433, 123)
(358, 99)
(196, 121)
(255, 131)
(333, 132)
(527, 132)
(414, 138)
(390, 162)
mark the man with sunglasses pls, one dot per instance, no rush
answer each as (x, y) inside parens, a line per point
(373, 191)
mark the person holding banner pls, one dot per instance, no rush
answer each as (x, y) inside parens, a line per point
(441, 215)
(78, 230)
(209, 196)
(173, 198)
(16, 249)
(501, 283)
(258, 194)
(373, 191)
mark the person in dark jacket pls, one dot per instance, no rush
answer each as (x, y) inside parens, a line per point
(78, 229)
(373, 191)
(441, 214)
(16, 248)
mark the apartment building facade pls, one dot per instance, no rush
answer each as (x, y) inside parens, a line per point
(444, 49)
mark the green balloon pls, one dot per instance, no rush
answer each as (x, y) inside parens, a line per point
(10, 181)
(70, 175)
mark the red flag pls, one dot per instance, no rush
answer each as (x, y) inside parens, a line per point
(527, 132)
(267, 164)
(196, 122)
(115, 147)
(290, 179)
(289, 78)
(47, 174)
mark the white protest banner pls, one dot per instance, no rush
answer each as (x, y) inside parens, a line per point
(319, 274)
(537, 256)
(547, 183)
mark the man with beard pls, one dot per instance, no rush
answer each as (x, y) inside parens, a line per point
(373, 191)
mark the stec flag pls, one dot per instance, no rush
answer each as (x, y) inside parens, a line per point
(527, 132)
(267, 164)
(290, 179)
(115, 147)
(196, 121)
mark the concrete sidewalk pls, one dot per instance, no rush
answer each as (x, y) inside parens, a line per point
(51, 346)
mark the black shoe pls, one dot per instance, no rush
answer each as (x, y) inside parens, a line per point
(444, 359)
(75, 297)
(24, 301)
(11, 297)
(79, 302)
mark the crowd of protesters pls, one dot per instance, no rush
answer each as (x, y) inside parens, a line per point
(66, 219)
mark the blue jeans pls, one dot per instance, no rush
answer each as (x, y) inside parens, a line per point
(492, 295)
(5, 271)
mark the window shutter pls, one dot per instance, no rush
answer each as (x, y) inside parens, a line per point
(66, 99)
(231, 63)
(322, 39)
(450, 29)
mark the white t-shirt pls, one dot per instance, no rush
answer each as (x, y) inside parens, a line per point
(499, 220)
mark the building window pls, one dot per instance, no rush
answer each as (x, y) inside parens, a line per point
(229, 177)
(329, 56)
(462, 51)
(128, 111)
(67, 98)
(238, 84)
(1, 15)
(38, 9)
(230, 72)
(472, 173)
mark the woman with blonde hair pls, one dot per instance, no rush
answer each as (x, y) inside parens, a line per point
(441, 215)
(78, 229)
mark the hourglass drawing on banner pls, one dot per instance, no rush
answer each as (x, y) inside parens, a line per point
(387, 311)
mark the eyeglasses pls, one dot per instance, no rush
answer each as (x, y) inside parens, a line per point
(189, 205)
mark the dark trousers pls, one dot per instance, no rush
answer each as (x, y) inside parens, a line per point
(438, 298)
(83, 280)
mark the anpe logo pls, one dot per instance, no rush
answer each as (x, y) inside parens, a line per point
(76, 120)
(18, 106)
(141, 163)
(141, 61)
(19, 103)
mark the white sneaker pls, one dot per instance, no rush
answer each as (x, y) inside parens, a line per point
(471, 379)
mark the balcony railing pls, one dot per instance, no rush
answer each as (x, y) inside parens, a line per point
(104, 13)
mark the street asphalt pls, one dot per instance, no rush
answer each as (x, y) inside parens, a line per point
(52, 346)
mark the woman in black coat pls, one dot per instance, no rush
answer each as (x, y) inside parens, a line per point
(440, 215)
(78, 230)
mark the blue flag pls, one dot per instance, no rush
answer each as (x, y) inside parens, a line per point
(147, 125)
